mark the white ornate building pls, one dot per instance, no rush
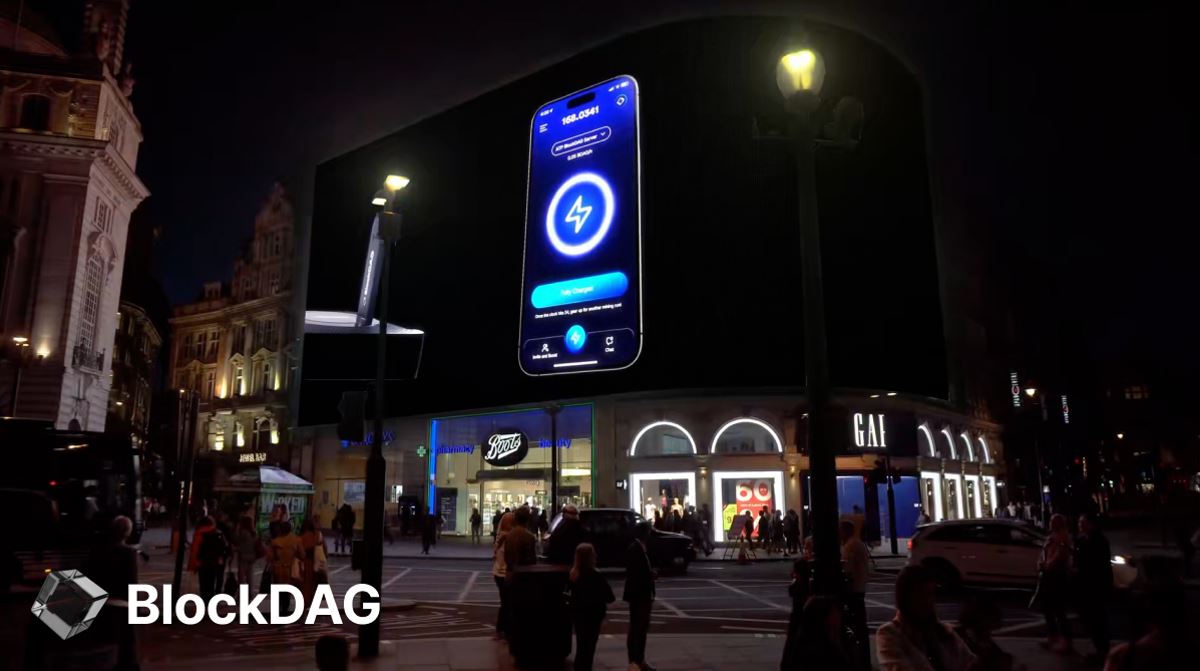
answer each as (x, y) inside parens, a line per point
(233, 346)
(68, 150)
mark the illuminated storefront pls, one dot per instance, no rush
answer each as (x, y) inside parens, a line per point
(497, 460)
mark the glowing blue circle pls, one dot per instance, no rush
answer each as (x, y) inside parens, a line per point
(580, 248)
(575, 338)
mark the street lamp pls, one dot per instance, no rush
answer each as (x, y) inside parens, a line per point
(20, 356)
(799, 75)
(1030, 392)
(372, 569)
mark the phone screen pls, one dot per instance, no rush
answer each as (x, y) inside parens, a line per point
(581, 287)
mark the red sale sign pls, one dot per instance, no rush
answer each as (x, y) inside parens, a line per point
(752, 495)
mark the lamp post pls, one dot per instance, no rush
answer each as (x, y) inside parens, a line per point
(799, 76)
(372, 571)
(20, 356)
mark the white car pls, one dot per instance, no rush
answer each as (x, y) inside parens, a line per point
(990, 551)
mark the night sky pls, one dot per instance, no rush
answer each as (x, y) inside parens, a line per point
(1066, 138)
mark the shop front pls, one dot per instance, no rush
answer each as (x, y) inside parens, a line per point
(502, 460)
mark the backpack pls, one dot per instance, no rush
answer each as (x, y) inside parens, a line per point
(213, 547)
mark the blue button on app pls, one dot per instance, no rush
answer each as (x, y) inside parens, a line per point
(575, 338)
(579, 290)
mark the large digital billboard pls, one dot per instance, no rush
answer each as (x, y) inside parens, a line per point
(581, 286)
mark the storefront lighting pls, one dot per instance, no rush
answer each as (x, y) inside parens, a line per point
(891, 393)
(924, 429)
(575, 472)
(718, 477)
(746, 420)
(874, 395)
(654, 425)
(970, 449)
(20, 340)
(950, 442)
(43, 351)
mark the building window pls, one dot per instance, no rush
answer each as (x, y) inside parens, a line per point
(1137, 392)
(660, 439)
(102, 216)
(210, 384)
(274, 282)
(93, 288)
(35, 112)
(266, 376)
(239, 339)
(746, 435)
(239, 380)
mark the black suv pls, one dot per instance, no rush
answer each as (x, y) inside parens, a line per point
(610, 530)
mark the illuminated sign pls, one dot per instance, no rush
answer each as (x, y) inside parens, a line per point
(1015, 388)
(869, 431)
(1066, 410)
(581, 285)
(506, 448)
(388, 436)
(252, 457)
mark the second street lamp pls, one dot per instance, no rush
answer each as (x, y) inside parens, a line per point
(372, 571)
(799, 76)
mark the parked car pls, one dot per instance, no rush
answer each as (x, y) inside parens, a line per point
(610, 530)
(990, 551)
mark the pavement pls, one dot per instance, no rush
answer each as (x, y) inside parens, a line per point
(668, 652)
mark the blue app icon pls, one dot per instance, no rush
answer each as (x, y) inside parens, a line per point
(575, 339)
(580, 214)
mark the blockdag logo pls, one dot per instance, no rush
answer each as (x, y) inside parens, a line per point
(68, 602)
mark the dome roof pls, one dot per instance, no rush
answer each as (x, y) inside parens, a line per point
(37, 34)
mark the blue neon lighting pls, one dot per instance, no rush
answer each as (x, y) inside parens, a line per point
(579, 290)
(573, 224)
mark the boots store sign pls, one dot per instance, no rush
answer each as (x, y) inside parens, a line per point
(506, 448)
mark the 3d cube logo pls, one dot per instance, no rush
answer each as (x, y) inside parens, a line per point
(68, 602)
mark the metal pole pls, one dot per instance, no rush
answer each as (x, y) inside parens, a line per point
(372, 573)
(827, 573)
(553, 412)
(186, 423)
(891, 499)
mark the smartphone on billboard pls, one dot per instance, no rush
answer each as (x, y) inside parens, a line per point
(581, 293)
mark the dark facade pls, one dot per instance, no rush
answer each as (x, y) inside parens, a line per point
(719, 229)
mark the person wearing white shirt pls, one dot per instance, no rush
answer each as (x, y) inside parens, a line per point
(855, 560)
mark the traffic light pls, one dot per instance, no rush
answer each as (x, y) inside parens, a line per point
(354, 415)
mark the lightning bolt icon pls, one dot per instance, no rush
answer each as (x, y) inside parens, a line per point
(578, 213)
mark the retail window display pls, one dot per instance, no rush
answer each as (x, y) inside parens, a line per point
(664, 493)
(735, 492)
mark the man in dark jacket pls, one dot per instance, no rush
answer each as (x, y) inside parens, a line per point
(1094, 584)
(566, 537)
(113, 566)
(639, 594)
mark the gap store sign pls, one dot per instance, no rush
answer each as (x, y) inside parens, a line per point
(581, 297)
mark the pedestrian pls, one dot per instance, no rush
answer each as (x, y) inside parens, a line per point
(543, 525)
(279, 515)
(286, 556)
(922, 516)
(405, 518)
(799, 590)
(333, 653)
(1168, 644)
(639, 594)
(706, 525)
(915, 640)
(590, 595)
(346, 527)
(441, 522)
(791, 531)
(1093, 585)
(1054, 568)
(658, 520)
(764, 529)
(676, 521)
(979, 617)
(855, 560)
(520, 546)
(777, 543)
(429, 530)
(113, 566)
(1012, 510)
(247, 547)
(567, 536)
(819, 642)
(476, 526)
(496, 522)
(209, 552)
(315, 568)
(747, 528)
(499, 571)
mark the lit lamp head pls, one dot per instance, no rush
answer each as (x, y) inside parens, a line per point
(799, 76)
(395, 182)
